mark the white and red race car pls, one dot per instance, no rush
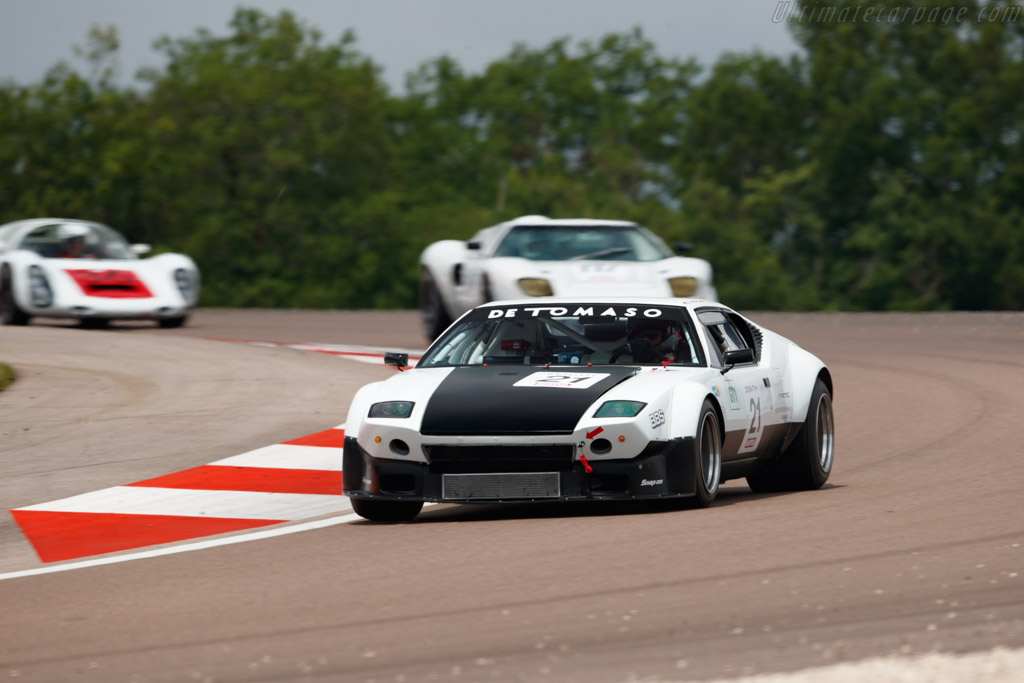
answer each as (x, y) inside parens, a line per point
(67, 268)
(539, 256)
(589, 398)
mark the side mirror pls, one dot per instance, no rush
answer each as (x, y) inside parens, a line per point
(140, 249)
(683, 247)
(473, 246)
(398, 360)
(738, 357)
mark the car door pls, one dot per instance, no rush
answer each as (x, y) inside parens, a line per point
(748, 402)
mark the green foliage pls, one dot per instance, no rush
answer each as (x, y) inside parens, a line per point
(880, 170)
(7, 376)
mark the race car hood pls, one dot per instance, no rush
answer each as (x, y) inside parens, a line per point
(596, 277)
(503, 399)
(577, 278)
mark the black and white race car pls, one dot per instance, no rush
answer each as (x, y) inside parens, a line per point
(590, 399)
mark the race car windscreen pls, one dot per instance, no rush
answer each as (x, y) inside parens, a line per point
(569, 334)
(97, 242)
(578, 243)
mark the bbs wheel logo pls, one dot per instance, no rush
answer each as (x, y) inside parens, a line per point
(657, 418)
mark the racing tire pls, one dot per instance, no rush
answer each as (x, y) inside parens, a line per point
(707, 457)
(435, 318)
(806, 464)
(10, 314)
(387, 510)
(169, 323)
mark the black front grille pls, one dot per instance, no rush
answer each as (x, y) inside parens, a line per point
(490, 459)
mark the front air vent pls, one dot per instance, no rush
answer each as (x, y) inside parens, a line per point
(487, 459)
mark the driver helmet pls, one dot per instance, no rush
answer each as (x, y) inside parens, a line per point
(651, 339)
(71, 230)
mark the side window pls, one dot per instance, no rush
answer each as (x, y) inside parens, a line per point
(751, 336)
(723, 334)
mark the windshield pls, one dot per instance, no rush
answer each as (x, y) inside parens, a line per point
(77, 240)
(569, 334)
(567, 243)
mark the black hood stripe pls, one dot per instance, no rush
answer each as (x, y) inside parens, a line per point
(478, 400)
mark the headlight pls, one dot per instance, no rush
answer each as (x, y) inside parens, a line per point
(683, 286)
(39, 292)
(188, 284)
(535, 286)
(620, 409)
(392, 409)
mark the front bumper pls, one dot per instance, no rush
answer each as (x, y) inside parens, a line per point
(665, 469)
(90, 308)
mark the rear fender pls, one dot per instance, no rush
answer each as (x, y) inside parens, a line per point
(805, 368)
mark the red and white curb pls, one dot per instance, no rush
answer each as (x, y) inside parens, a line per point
(292, 481)
(363, 354)
(295, 480)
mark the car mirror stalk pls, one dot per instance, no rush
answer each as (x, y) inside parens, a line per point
(737, 357)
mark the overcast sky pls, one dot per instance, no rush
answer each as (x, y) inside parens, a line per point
(398, 35)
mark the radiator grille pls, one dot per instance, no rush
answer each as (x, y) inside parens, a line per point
(495, 459)
(500, 486)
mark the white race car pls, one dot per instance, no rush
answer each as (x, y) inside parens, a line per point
(538, 256)
(65, 268)
(590, 399)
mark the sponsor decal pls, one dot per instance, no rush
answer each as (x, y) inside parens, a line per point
(756, 427)
(600, 272)
(657, 418)
(717, 392)
(562, 380)
(561, 311)
(652, 482)
(734, 399)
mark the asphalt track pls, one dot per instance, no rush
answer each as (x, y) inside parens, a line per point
(916, 544)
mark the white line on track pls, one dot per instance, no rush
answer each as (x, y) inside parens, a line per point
(148, 500)
(201, 545)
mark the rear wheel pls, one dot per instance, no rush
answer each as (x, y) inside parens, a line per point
(387, 510)
(708, 460)
(806, 464)
(168, 323)
(10, 314)
(435, 318)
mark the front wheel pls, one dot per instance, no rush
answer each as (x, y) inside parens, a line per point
(708, 460)
(387, 510)
(10, 314)
(168, 323)
(435, 318)
(806, 464)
